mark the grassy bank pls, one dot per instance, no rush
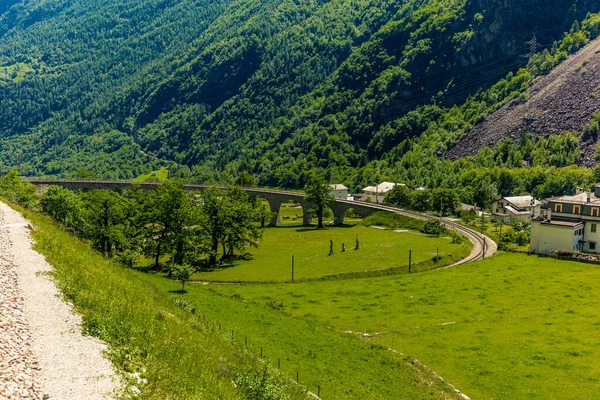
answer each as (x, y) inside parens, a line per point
(512, 326)
(341, 366)
(182, 354)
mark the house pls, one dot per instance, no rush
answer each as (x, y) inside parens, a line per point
(519, 207)
(376, 194)
(548, 235)
(339, 191)
(578, 214)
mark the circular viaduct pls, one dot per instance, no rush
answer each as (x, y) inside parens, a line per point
(275, 198)
(482, 245)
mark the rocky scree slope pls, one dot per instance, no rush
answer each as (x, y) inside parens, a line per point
(562, 101)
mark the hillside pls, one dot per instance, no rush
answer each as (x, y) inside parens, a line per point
(562, 101)
(273, 88)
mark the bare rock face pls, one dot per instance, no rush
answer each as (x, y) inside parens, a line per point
(563, 100)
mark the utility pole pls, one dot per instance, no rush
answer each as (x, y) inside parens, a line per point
(533, 45)
(482, 220)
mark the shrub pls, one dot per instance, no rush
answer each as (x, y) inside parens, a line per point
(434, 227)
(257, 386)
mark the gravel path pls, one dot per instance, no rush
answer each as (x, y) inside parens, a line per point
(43, 354)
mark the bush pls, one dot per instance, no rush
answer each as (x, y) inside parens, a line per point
(257, 386)
(182, 273)
(457, 237)
(434, 227)
(14, 189)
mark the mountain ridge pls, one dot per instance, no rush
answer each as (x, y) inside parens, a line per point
(278, 89)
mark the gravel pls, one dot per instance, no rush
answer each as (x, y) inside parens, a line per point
(43, 354)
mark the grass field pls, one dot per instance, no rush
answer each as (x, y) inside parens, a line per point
(379, 250)
(160, 175)
(15, 72)
(513, 326)
(343, 367)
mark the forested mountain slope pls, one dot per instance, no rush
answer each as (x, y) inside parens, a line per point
(275, 88)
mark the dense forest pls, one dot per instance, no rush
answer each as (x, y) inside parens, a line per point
(365, 90)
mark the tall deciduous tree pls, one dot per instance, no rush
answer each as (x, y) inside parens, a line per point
(229, 219)
(167, 219)
(106, 215)
(318, 194)
(398, 196)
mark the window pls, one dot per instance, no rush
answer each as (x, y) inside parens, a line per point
(558, 208)
(576, 210)
(592, 245)
(594, 213)
(593, 228)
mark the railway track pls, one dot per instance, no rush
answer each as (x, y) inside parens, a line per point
(483, 246)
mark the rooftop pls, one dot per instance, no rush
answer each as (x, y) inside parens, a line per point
(580, 198)
(383, 187)
(338, 186)
(522, 201)
(516, 212)
(567, 224)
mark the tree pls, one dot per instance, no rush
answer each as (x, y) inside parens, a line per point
(318, 194)
(167, 217)
(241, 228)
(15, 189)
(485, 192)
(65, 207)
(106, 214)
(182, 273)
(420, 200)
(446, 201)
(230, 219)
(398, 196)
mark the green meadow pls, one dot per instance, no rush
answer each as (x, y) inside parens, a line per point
(513, 326)
(199, 344)
(160, 175)
(379, 249)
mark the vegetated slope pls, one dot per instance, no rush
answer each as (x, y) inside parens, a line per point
(274, 88)
(562, 101)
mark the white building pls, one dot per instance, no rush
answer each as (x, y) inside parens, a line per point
(579, 214)
(376, 194)
(518, 207)
(339, 191)
(555, 235)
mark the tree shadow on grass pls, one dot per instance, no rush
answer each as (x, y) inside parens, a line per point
(314, 228)
(178, 291)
